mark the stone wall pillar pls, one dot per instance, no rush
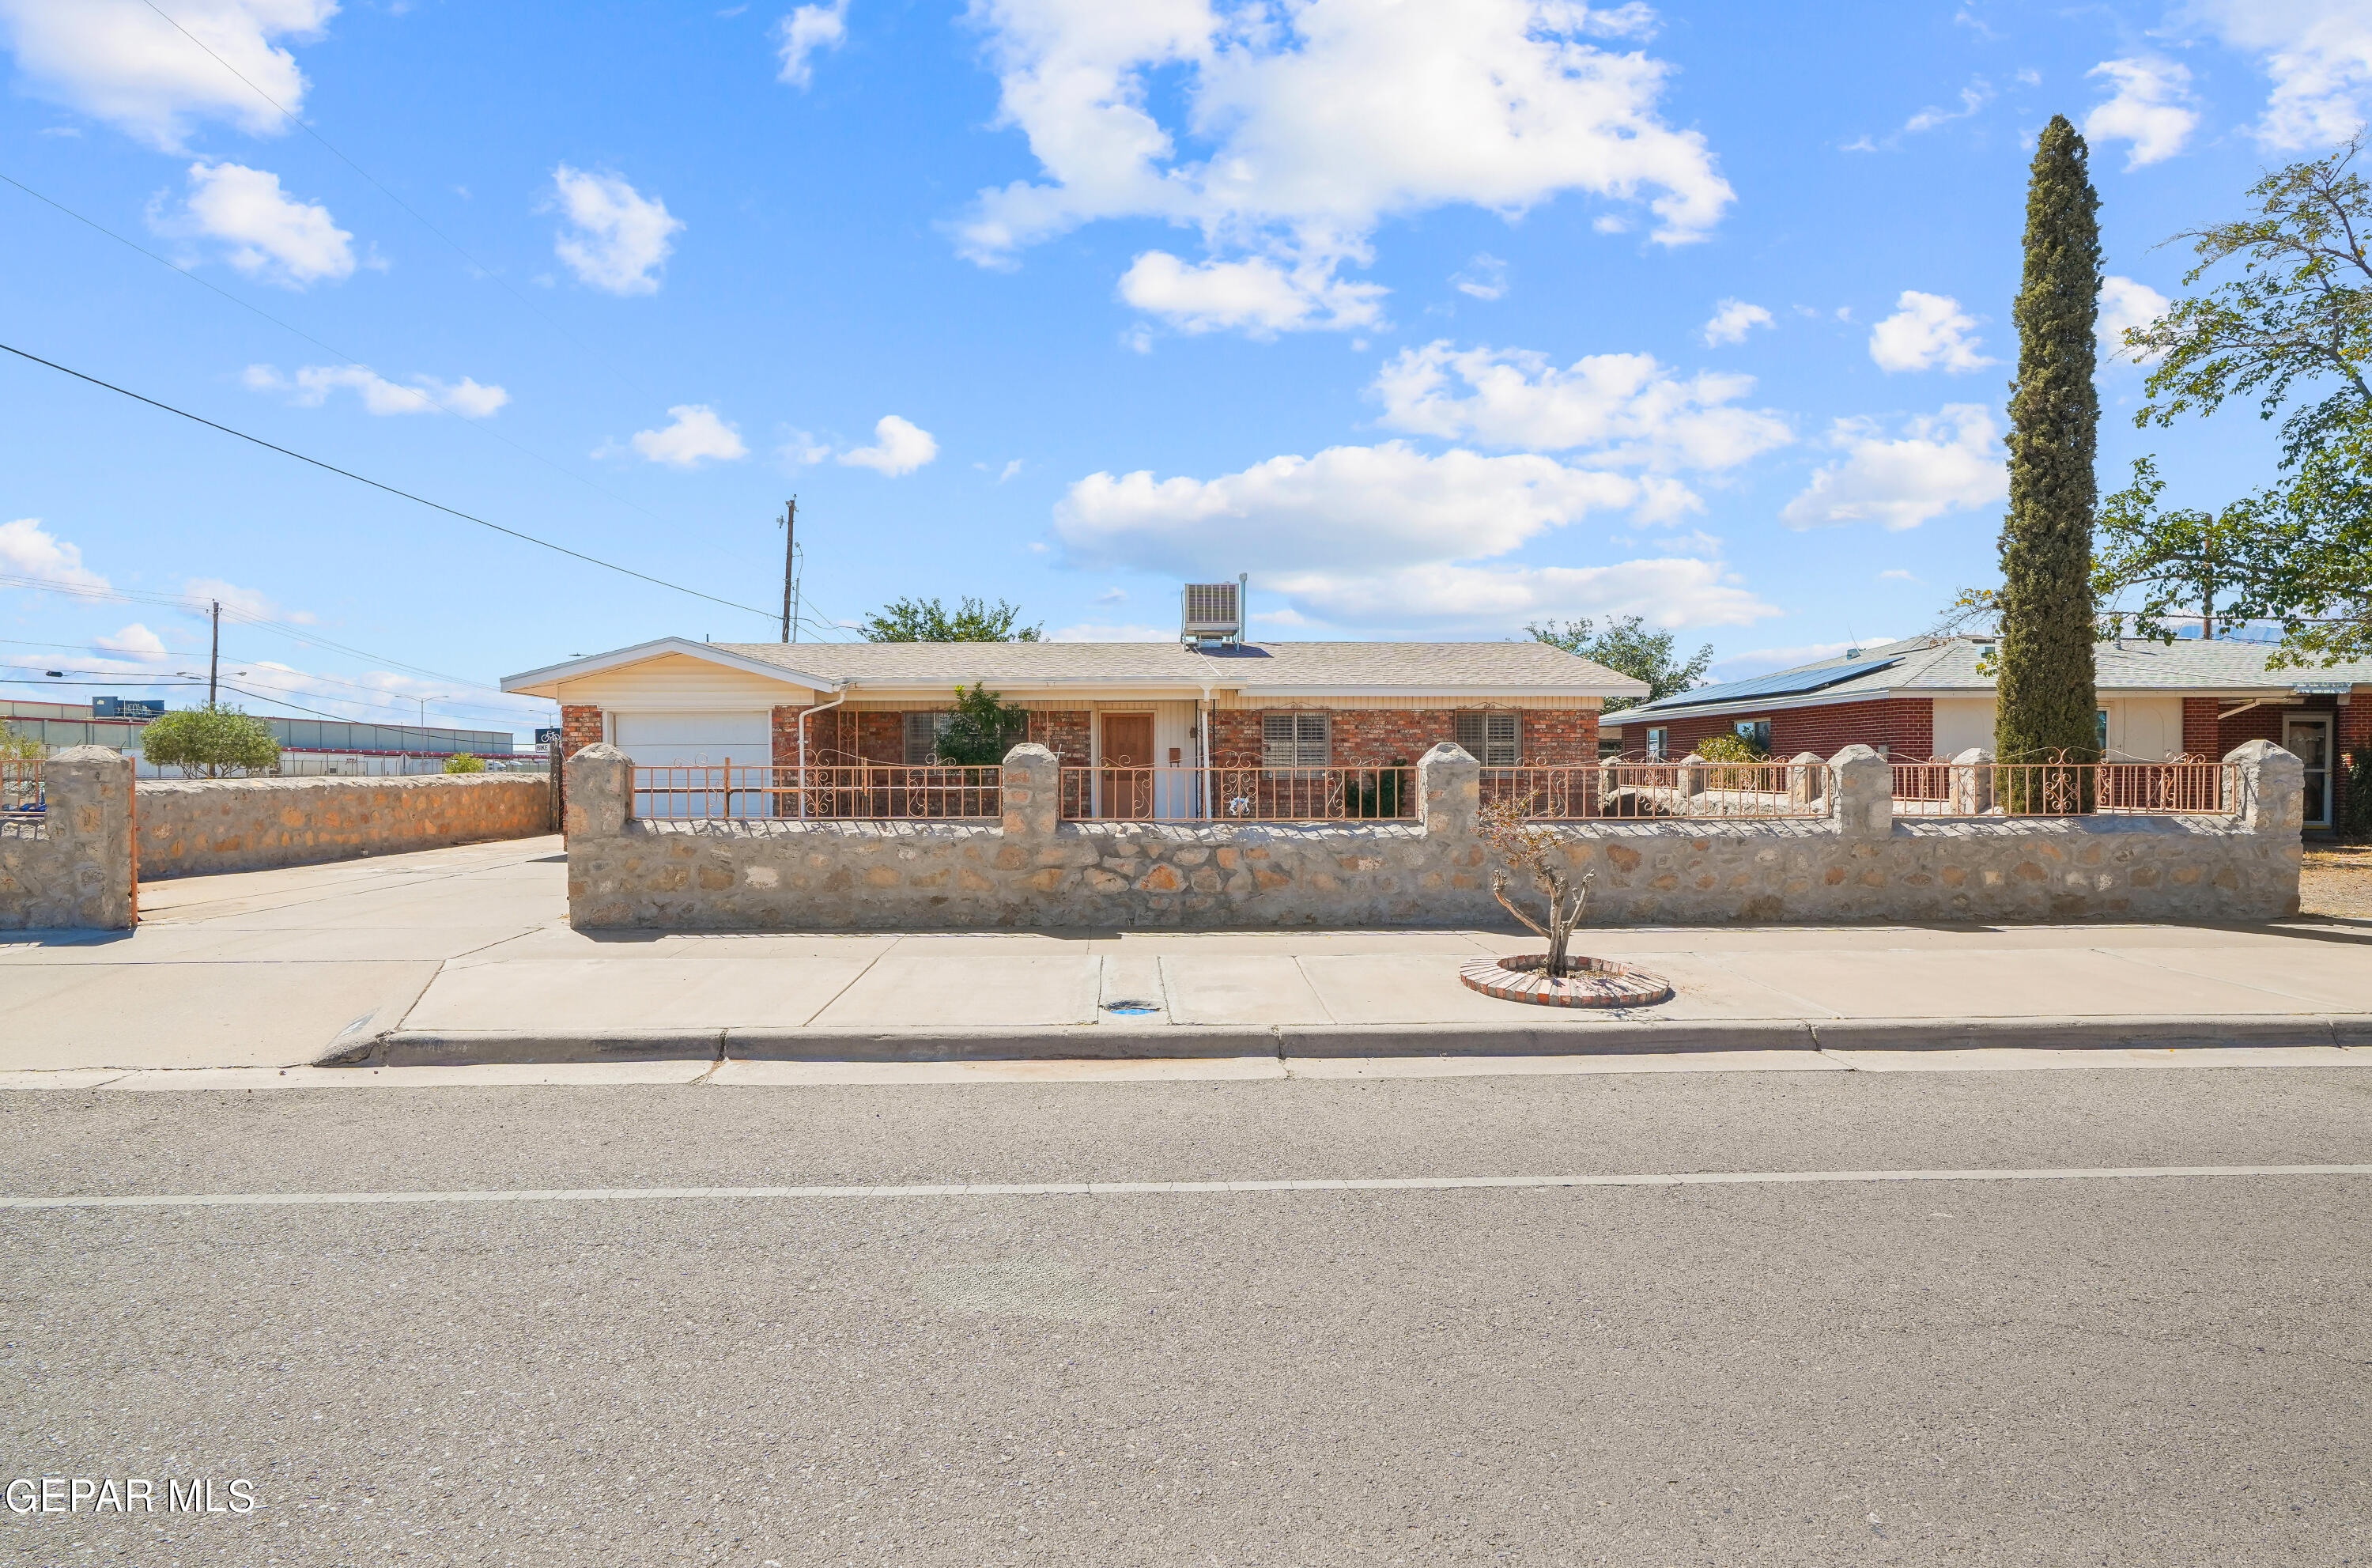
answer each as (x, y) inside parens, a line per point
(88, 824)
(600, 792)
(1031, 797)
(2268, 787)
(1865, 804)
(1807, 778)
(1691, 781)
(1448, 791)
(1972, 782)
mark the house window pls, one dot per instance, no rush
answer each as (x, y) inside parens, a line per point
(1490, 738)
(1655, 744)
(1755, 732)
(923, 732)
(1295, 740)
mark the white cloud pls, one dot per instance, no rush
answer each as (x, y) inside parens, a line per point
(1385, 536)
(1010, 468)
(2124, 303)
(134, 641)
(312, 385)
(1945, 463)
(1101, 632)
(1732, 320)
(271, 235)
(123, 61)
(1897, 575)
(1485, 277)
(618, 237)
(1926, 331)
(2319, 53)
(696, 436)
(2149, 109)
(803, 31)
(1257, 296)
(28, 551)
(247, 601)
(1973, 97)
(1299, 129)
(899, 447)
(1622, 407)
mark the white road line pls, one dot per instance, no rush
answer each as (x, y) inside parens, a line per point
(1131, 1188)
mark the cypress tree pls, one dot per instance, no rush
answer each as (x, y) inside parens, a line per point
(2046, 704)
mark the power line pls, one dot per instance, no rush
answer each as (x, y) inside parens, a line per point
(425, 397)
(390, 489)
(391, 196)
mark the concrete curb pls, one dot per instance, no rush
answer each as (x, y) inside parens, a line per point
(1589, 1036)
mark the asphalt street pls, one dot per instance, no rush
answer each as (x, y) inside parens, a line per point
(2139, 1370)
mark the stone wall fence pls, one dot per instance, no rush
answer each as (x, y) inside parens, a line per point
(199, 827)
(1851, 861)
(71, 866)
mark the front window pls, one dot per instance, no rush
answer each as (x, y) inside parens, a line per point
(1655, 744)
(1295, 741)
(1491, 738)
(923, 733)
(1757, 734)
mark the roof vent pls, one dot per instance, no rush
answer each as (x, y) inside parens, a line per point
(1212, 613)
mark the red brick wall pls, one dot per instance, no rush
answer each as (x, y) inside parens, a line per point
(2200, 735)
(580, 725)
(1372, 737)
(1063, 731)
(1904, 727)
(2354, 741)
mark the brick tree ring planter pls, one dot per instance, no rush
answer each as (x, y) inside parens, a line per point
(1596, 983)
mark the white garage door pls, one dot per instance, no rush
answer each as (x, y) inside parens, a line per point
(693, 752)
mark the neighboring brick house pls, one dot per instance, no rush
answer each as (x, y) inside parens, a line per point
(1161, 704)
(1933, 697)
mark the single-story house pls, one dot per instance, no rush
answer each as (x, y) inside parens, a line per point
(1933, 697)
(677, 702)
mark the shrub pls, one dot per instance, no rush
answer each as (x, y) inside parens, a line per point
(1377, 793)
(2356, 806)
(463, 762)
(16, 748)
(211, 742)
(985, 728)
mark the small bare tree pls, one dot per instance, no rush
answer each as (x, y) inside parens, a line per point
(1527, 846)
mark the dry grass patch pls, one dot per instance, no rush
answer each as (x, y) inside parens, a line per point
(2337, 879)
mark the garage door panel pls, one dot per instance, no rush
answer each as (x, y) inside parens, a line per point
(695, 752)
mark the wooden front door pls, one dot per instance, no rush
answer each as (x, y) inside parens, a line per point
(1126, 785)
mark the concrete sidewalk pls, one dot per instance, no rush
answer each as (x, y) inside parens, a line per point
(464, 955)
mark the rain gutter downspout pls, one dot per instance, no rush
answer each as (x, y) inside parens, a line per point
(805, 715)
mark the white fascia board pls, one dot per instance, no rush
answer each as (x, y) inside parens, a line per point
(1459, 693)
(545, 682)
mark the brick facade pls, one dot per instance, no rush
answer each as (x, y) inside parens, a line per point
(1376, 737)
(1901, 727)
(579, 726)
(2201, 736)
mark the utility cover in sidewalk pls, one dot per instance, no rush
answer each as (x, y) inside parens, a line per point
(1132, 1007)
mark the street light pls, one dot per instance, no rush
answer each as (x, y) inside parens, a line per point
(437, 697)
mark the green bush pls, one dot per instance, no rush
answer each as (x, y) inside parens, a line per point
(1729, 748)
(212, 742)
(1377, 795)
(2356, 806)
(985, 727)
(463, 762)
(16, 748)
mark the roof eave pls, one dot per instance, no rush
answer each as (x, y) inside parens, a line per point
(545, 682)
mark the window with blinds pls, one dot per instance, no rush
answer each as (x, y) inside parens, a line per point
(1295, 741)
(1491, 739)
(923, 732)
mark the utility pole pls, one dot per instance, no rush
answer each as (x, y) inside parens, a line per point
(790, 537)
(214, 658)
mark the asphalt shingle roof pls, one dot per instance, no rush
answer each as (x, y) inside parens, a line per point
(1951, 664)
(1334, 667)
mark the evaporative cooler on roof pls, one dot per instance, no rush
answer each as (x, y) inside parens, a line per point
(1212, 613)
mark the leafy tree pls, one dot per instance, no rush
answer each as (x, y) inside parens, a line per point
(210, 742)
(928, 620)
(2046, 702)
(1627, 646)
(464, 763)
(2192, 560)
(2292, 331)
(16, 747)
(985, 728)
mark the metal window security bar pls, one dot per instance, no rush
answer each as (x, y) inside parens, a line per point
(1493, 739)
(1295, 741)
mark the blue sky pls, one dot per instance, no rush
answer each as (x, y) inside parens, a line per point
(1435, 316)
